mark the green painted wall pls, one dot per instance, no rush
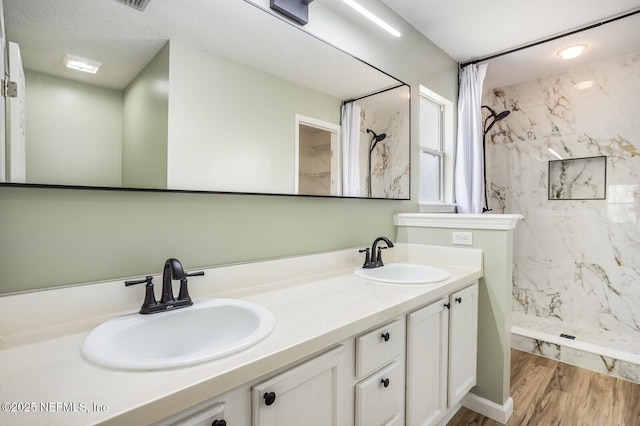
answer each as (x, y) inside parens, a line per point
(52, 237)
(494, 303)
(145, 125)
(231, 125)
(60, 236)
(73, 132)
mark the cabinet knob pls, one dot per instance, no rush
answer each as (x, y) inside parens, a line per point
(447, 305)
(459, 299)
(385, 382)
(219, 423)
(269, 398)
(386, 336)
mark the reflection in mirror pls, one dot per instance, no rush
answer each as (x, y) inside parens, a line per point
(380, 160)
(209, 96)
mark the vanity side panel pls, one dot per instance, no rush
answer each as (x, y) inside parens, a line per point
(494, 302)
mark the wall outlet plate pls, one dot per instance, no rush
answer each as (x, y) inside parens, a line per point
(462, 238)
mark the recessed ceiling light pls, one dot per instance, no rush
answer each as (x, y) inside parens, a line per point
(572, 51)
(81, 64)
(584, 85)
(373, 18)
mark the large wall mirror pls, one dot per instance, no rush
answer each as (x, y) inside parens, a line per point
(205, 95)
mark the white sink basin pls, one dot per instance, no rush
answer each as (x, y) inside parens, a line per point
(404, 273)
(208, 330)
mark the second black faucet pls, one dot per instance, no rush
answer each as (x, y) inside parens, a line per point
(373, 259)
(173, 270)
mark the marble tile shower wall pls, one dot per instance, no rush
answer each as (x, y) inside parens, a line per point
(576, 261)
(390, 158)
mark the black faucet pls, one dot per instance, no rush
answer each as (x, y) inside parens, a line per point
(373, 259)
(173, 270)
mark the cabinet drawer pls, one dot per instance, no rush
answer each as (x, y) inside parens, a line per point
(377, 404)
(378, 348)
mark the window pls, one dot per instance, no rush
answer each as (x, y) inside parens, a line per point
(431, 150)
(436, 152)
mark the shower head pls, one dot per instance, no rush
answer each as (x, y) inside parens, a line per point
(496, 117)
(375, 139)
(502, 115)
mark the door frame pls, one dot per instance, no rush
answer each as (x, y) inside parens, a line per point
(334, 131)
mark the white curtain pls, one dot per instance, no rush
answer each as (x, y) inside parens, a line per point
(351, 149)
(469, 172)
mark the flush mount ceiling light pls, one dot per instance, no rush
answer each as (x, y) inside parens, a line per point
(584, 85)
(572, 51)
(373, 18)
(81, 64)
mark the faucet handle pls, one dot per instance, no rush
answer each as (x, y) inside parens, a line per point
(149, 296)
(183, 296)
(367, 257)
(148, 279)
(379, 256)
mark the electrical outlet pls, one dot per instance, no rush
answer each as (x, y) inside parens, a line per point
(462, 238)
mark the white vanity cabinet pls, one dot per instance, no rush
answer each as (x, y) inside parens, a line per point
(308, 394)
(411, 370)
(379, 395)
(441, 355)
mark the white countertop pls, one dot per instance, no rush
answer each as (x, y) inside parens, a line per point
(43, 364)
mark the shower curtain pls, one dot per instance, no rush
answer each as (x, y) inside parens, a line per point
(350, 149)
(469, 169)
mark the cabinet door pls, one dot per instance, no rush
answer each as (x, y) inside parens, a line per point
(427, 343)
(463, 343)
(306, 394)
(379, 398)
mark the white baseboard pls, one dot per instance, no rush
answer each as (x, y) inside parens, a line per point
(497, 412)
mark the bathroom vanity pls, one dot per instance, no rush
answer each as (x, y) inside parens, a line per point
(344, 350)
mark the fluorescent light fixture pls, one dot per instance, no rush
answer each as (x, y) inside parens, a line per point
(373, 18)
(81, 64)
(572, 51)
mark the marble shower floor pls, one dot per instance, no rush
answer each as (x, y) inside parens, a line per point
(606, 352)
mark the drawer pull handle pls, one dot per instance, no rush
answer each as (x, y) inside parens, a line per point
(385, 382)
(269, 398)
(459, 299)
(447, 305)
(386, 336)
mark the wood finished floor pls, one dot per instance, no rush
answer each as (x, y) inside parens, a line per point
(549, 392)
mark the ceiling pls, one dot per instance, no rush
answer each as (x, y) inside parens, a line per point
(125, 40)
(472, 29)
(464, 29)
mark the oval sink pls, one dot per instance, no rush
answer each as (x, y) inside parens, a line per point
(404, 273)
(208, 330)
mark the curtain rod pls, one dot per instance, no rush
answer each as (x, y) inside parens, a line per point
(517, 49)
(372, 94)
